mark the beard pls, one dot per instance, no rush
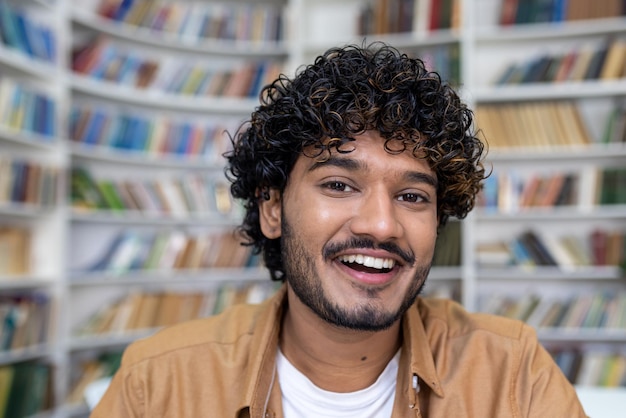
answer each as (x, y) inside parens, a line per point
(301, 275)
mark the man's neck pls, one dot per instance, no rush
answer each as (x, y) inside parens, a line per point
(334, 358)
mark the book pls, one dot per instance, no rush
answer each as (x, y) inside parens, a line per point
(15, 251)
(615, 61)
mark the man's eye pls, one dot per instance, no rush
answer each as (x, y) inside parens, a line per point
(338, 186)
(412, 197)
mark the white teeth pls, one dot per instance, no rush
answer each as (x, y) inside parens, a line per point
(367, 261)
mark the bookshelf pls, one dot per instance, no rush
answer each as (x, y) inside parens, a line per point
(550, 104)
(134, 154)
(31, 206)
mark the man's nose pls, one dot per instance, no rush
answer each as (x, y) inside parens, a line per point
(376, 216)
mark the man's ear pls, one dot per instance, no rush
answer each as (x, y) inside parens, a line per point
(270, 213)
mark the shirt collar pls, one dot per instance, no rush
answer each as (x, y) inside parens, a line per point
(420, 362)
(416, 359)
(261, 371)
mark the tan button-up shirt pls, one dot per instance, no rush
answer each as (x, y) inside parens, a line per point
(453, 364)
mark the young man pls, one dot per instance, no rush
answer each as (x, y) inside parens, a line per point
(347, 172)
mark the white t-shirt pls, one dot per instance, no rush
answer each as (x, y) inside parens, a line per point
(302, 399)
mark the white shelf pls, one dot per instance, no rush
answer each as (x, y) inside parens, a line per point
(588, 273)
(139, 277)
(26, 65)
(160, 100)
(550, 31)
(402, 40)
(28, 139)
(106, 154)
(24, 354)
(582, 153)
(548, 91)
(582, 335)
(128, 217)
(108, 340)
(24, 282)
(558, 213)
(22, 210)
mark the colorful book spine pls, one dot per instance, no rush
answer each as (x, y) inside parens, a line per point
(27, 182)
(156, 136)
(21, 32)
(149, 311)
(541, 11)
(103, 60)
(601, 61)
(25, 109)
(198, 21)
(24, 319)
(173, 250)
(191, 194)
(599, 247)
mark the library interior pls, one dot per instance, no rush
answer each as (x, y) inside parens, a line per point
(116, 219)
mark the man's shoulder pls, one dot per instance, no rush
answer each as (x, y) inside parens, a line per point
(233, 326)
(452, 317)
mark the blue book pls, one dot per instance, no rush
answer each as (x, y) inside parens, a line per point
(122, 10)
(7, 26)
(559, 10)
(50, 116)
(184, 136)
(112, 132)
(18, 170)
(94, 129)
(119, 140)
(22, 32)
(47, 35)
(139, 139)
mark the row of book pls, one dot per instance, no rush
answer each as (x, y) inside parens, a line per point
(105, 60)
(600, 247)
(592, 61)
(404, 16)
(598, 310)
(538, 11)
(592, 368)
(25, 389)
(173, 249)
(23, 320)
(27, 182)
(196, 21)
(14, 251)
(532, 124)
(512, 191)
(188, 194)
(143, 310)
(154, 136)
(26, 109)
(18, 30)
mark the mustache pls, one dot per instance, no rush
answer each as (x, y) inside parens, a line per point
(332, 249)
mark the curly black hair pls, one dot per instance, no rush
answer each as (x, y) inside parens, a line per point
(345, 92)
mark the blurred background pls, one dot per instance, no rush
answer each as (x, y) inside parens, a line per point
(115, 215)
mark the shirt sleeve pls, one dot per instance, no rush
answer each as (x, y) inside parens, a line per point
(121, 400)
(542, 388)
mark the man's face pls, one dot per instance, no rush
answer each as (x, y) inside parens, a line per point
(358, 232)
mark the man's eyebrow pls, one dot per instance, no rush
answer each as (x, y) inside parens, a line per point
(347, 163)
(351, 164)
